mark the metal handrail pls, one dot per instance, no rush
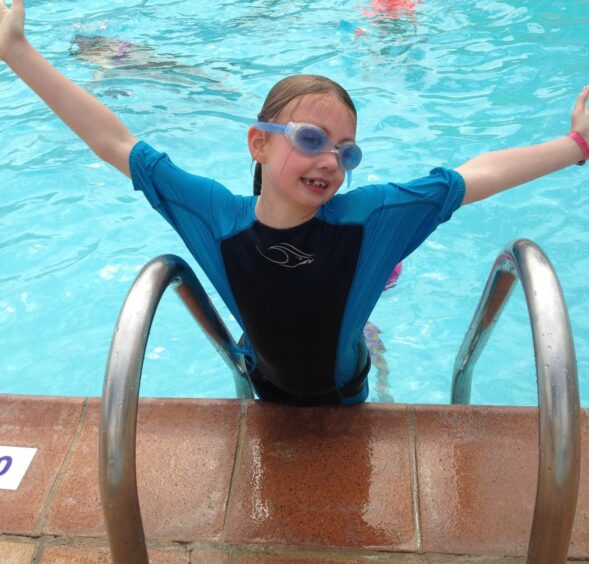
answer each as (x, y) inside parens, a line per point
(558, 393)
(118, 412)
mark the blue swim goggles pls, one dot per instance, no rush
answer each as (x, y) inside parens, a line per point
(312, 140)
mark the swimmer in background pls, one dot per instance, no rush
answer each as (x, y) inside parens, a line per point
(112, 53)
(388, 19)
(118, 58)
(392, 9)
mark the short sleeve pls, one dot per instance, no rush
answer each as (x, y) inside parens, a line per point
(443, 189)
(180, 196)
(199, 209)
(397, 217)
(439, 194)
(412, 211)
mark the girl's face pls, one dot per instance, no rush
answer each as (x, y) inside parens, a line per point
(295, 184)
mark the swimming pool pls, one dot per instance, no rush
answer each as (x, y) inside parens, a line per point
(433, 88)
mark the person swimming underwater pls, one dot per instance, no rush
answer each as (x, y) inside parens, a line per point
(392, 9)
(118, 58)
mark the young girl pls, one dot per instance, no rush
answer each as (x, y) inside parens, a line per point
(299, 267)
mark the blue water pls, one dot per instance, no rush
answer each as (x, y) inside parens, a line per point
(454, 80)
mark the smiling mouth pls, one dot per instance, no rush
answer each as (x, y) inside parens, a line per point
(315, 183)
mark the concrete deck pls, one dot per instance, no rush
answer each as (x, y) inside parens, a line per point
(241, 482)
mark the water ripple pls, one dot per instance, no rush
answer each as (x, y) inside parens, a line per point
(453, 80)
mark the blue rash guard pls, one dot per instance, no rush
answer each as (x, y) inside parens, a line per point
(301, 295)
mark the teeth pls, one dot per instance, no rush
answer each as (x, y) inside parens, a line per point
(316, 183)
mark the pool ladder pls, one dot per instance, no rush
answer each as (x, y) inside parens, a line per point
(556, 372)
(120, 395)
(558, 391)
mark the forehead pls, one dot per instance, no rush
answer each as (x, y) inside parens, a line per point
(324, 110)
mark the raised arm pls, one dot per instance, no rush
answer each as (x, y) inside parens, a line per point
(494, 172)
(95, 124)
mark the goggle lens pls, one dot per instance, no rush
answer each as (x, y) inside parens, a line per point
(350, 155)
(311, 140)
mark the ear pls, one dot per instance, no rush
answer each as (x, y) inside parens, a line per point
(256, 142)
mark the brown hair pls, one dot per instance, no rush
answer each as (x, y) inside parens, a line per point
(285, 91)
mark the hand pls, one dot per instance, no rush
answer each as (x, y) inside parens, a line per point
(580, 115)
(12, 25)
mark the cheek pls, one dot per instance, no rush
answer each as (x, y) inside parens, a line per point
(288, 162)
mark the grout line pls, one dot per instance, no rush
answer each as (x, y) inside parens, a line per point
(236, 461)
(62, 470)
(314, 553)
(232, 556)
(414, 478)
(37, 557)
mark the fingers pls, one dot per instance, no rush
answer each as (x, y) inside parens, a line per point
(581, 103)
(17, 5)
(580, 114)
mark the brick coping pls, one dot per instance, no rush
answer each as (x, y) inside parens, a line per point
(242, 481)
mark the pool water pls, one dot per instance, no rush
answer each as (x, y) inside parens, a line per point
(434, 87)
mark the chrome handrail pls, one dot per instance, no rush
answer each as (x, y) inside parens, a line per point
(118, 412)
(558, 393)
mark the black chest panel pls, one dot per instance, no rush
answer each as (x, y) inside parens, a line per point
(291, 287)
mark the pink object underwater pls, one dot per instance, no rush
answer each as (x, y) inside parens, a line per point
(394, 276)
(371, 332)
(394, 9)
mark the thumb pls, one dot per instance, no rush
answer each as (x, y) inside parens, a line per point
(581, 103)
(580, 115)
(18, 7)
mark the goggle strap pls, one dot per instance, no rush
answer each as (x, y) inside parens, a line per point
(271, 127)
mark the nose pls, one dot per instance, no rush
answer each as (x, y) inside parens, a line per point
(329, 160)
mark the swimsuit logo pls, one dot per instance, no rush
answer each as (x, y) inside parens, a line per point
(287, 255)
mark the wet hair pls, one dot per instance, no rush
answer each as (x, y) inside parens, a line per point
(290, 88)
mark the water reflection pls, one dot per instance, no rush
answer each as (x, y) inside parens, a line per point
(329, 475)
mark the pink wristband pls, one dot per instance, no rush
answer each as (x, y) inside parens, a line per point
(580, 140)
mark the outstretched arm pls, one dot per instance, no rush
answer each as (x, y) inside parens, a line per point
(95, 124)
(494, 172)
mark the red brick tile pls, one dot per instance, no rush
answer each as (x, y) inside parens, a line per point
(323, 477)
(48, 424)
(168, 556)
(477, 472)
(204, 556)
(319, 558)
(75, 555)
(16, 553)
(580, 538)
(185, 454)
(453, 559)
(72, 554)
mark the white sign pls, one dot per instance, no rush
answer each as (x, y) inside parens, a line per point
(14, 462)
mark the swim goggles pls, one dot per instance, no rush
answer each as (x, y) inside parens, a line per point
(312, 140)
